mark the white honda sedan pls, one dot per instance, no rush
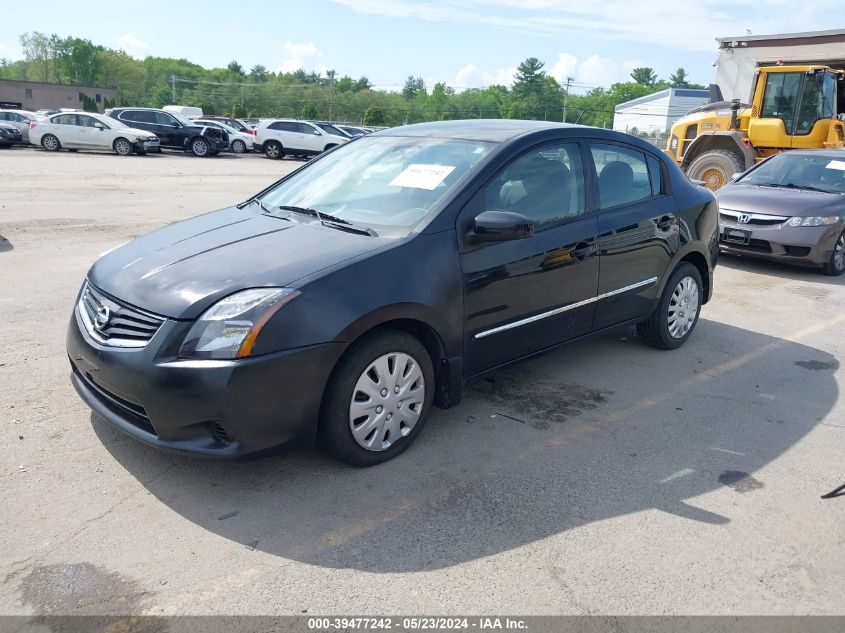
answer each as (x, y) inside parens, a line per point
(90, 130)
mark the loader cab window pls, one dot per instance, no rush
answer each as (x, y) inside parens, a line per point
(817, 101)
(780, 97)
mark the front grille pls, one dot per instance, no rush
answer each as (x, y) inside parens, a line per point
(113, 322)
(756, 219)
(757, 246)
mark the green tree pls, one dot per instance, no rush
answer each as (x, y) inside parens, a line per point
(679, 79)
(235, 67)
(258, 73)
(644, 76)
(374, 116)
(308, 111)
(413, 87)
(88, 104)
(238, 111)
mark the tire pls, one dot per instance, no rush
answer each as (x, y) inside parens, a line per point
(122, 147)
(387, 355)
(274, 150)
(836, 265)
(715, 167)
(50, 143)
(672, 322)
(200, 147)
(238, 146)
(141, 152)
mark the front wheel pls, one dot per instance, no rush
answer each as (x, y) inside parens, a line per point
(238, 146)
(836, 265)
(122, 147)
(274, 150)
(377, 399)
(676, 314)
(200, 147)
(50, 143)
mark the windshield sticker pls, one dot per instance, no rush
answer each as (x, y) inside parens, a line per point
(420, 176)
(836, 164)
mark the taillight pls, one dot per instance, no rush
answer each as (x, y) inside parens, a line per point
(32, 125)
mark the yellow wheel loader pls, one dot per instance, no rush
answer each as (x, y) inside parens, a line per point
(792, 107)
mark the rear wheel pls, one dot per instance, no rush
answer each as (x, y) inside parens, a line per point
(836, 265)
(238, 146)
(200, 147)
(676, 314)
(715, 168)
(378, 399)
(122, 147)
(50, 143)
(274, 150)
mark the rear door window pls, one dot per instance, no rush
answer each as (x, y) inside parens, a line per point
(623, 175)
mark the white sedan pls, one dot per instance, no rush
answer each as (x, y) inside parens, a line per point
(90, 130)
(239, 142)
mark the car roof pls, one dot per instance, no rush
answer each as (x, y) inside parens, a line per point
(497, 130)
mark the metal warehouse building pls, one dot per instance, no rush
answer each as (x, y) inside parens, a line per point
(655, 113)
(740, 56)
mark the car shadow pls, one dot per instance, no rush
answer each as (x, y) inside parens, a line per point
(784, 270)
(5, 244)
(593, 431)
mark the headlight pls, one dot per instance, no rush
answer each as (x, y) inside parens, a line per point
(229, 328)
(813, 220)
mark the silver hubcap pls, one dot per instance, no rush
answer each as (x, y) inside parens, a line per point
(683, 307)
(123, 147)
(839, 253)
(272, 150)
(238, 147)
(50, 142)
(387, 401)
(200, 148)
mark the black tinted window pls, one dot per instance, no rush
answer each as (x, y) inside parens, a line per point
(544, 185)
(304, 128)
(284, 126)
(655, 175)
(64, 119)
(623, 174)
(141, 116)
(162, 118)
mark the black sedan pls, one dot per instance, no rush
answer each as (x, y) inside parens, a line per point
(9, 135)
(347, 299)
(789, 208)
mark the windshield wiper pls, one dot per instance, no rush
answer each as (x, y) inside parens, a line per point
(791, 185)
(327, 219)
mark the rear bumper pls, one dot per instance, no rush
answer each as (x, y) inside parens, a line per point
(214, 408)
(809, 246)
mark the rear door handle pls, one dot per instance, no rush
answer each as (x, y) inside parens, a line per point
(582, 250)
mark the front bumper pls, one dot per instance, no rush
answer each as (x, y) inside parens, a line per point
(11, 138)
(216, 408)
(807, 245)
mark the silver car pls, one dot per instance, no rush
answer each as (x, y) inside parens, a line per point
(19, 119)
(791, 208)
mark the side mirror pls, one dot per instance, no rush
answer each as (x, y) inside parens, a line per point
(100, 126)
(317, 133)
(499, 226)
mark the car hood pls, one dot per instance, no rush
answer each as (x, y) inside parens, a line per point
(180, 270)
(779, 201)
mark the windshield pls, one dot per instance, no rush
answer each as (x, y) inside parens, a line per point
(800, 171)
(328, 127)
(385, 183)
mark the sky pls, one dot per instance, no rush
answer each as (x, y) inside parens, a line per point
(464, 43)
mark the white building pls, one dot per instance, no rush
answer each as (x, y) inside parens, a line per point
(655, 113)
(739, 56)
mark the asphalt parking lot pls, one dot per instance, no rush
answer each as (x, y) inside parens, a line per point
(604, 478)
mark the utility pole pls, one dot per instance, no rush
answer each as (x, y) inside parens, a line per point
(569, 80)
(173, 87)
